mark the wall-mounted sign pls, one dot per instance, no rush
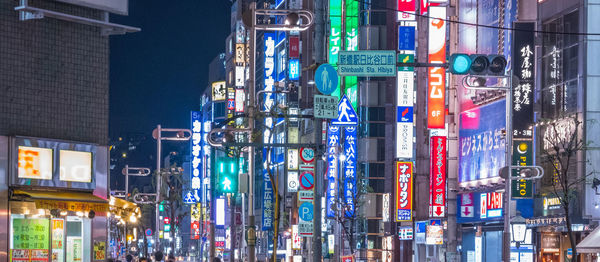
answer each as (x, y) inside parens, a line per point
(240, 99)
(380, 63)
(385, 207)
(404, 114)
(240, 51)
(35, 162)
(75, 166)
(523, 57)
(404, 191)
(435, 232)
(406, 37)
(296, 239)
(436, 99)
(294, 43)
(522, 156)
(491, 205)
(467, 207)
(292, 159)
(195, 148)
(335, 39)
(437, 178)
(219, 91)
(333, 141)
(405, 232)
(292, 183)
(350, 139)
(406, 9)
(294, 71)
(240, 76)
(551, 203)
(420, 232)
(220, 212)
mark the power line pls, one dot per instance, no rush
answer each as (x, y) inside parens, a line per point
(475, 24)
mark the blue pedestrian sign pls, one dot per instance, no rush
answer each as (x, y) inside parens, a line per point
(306, 211)
(326, 79)
(346, 114)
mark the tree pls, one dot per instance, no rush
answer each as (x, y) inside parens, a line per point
(562, 141)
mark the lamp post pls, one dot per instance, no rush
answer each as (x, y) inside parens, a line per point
(518, 229)
(157, 134)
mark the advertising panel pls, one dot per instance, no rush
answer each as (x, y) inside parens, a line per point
(524, 69)
(269, 81)
(490, 204)
(404, 125)
(437, 75)
(294, 42)
(404, 191)
(405, 232)
(522, 156)
(481, 143)
(195, 221)
(406, 9)
(219, 91)
(240, 52)
(220, 212)
(333, 140)
(240, 99)
(294, 71)
(351, 28)
(195, 148)
(420, 232)
(335, 36)
(350, 169)
(35, 162)
(75, 166)
(435, 233)
(437, 179)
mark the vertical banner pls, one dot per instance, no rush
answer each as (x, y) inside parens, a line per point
(333, 140)
(404, 191)
(351, 27)
(406, 9)
(270, 73)
(350, 169)
(193, 196)
(523, 59)
(335, 36)
(436, 96)
(522, 156)
(404, 114)
(437, 178)
(294, 42)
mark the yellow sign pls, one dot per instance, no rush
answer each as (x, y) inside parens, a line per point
(99, 250)
(71, 205)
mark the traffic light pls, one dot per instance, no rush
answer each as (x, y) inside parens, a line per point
(477, 64)
(227, 173)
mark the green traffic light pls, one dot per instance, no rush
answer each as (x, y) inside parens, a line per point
(460, 64)
(227, 175)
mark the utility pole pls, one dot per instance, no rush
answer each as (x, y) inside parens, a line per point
(251, 237)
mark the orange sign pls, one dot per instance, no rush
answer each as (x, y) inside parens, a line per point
(436, 96)
(34, 162)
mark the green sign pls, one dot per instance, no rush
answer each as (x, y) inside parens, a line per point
(522, 156)
(167, 228)
(406, 58)
(31, 233)
(335, 36)
(351, 82)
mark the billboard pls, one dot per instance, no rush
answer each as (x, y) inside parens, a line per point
(437, 178)
(524, 70)
(481, 143)
(404, 191)
(437, 75)
(335, 35)
(333, 140)
(219, 92)
(404, 114)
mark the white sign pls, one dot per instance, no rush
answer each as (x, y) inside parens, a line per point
(404, 140)
(325, 106)
(292, 181)
(346, 114)
(305, 228)
(331, 243)
(240, 99)
(478, 249)
(292, 159)
(75, 166)
(220, 214)
(386, 208)
(239, 76)
(296, 239)
(306, 195)
(34, 162)
(404, 123)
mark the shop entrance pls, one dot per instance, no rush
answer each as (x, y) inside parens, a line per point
(550, 257)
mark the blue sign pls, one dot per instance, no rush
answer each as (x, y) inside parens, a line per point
(405, 114)
(469, 207)
(305, 211)
(270, 73)
(326, 79)
(435, 222)
(333, 141)
(481, 142)
(267, 216)
(350, 169)
(148, 232)
(294, 71)
(196, 180)
(406, 38)
(421, 227)
(307, 180)
(346, 114)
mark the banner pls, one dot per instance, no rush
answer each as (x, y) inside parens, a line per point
(437, 179)
(404, 191)
(333, 140)
(524, 69)
(436, 96)
(350, 169)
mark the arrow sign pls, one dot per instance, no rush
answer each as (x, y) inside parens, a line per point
(466, 211)
(307, 180)
(438, 211)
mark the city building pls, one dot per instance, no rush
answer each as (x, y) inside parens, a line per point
(54, 172)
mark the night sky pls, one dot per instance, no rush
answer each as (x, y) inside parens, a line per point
(158, 74)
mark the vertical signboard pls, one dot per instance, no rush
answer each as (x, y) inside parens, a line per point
(522, 156)
(406, 9)
(437, 179)
(195, 221)
(240, 99)
(524, 57)
(335, 36)
(351, 27)
(269, 81)
(404, 185)
(294, 43)
(437, 75)
(333, 140)
(404, 113)
(294, 69)
(406, 38)
(219, 91)
(196, 180)
(350, 169)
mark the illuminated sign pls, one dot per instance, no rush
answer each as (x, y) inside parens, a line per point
(436, 95)
(490, 205)
(195, 148)
(335, 35)
(405, 233)
(523, 58)
(35, 163)
(75, 166)
(220, 212)
(387, 246)
(406, 38)
(240, 51)
(294, 43)
(350, 169)
(435, 233)
(333, 140)
(385, 209)
(240, 76)
(406, 9)
(240, 98)
(167, 220)
(292, 159)
(352, 11)
(367, 63)
(437, 178)
(404, 114)
(219, 92)
(551, 203)
(522, 156)
(294, 71)
(296, 238)
(195, 221)
(404, 191)
(467, 205)
(269, 82)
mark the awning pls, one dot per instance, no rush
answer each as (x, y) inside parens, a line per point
(71, 201)
(123, 205)
(591, 243)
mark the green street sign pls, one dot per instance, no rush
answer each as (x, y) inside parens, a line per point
(522, 156)
(406, 58)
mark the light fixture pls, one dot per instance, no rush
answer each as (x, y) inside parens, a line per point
(518, 229)
(132, 219)
(64, 213)
(292, 19)
(342, 157)
(79, 213)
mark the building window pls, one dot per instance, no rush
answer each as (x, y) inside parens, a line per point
(559, 67)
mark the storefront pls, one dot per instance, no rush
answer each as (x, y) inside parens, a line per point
(56, 198)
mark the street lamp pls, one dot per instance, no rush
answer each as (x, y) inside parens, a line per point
(518, 229)
(157, 133)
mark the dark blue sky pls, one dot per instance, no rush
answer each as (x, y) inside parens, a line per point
(158, 74)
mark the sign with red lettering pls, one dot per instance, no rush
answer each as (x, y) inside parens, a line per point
(437, 75)
(404, 184)
(437, 178)
(294, 46)
(406, 9)
(491, 205)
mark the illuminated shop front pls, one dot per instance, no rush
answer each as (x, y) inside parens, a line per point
(57, 200)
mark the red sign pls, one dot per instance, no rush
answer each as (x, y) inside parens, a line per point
(436, 96)
(494, 200)
(437, 178)
(404, 184)
(167, 220)
(348, 259)
(407, 9)
(195, 227)
(294, 46)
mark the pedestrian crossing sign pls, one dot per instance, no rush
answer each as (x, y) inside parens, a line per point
(346, 114)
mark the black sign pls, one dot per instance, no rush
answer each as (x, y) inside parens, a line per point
(523, 68)
(551, 241)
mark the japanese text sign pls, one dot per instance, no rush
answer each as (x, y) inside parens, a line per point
(437, 178)
(404, 191)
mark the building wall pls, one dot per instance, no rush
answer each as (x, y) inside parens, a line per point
(53, 75)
